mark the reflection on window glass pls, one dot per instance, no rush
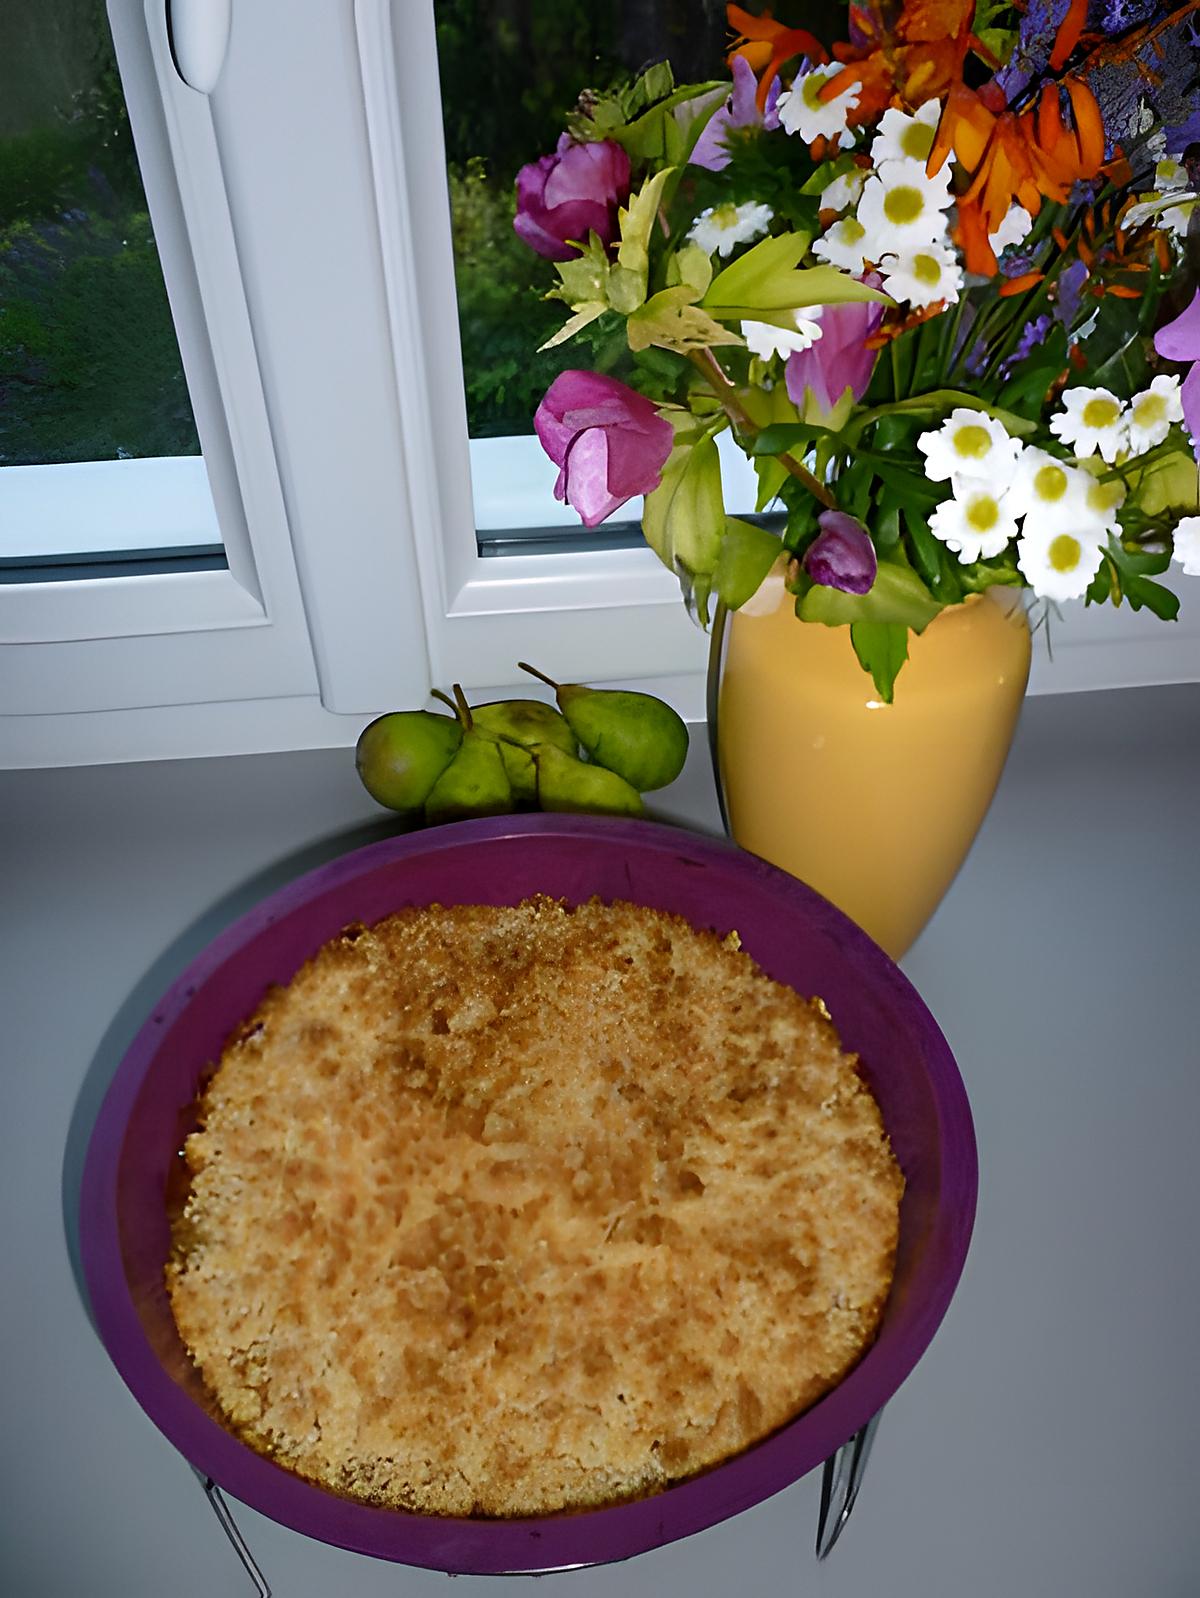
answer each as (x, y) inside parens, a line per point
(510, 72)
(89, 364)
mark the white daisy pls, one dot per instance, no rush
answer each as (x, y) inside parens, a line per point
(844, 191)
(801, 109)
(1044, 485)
(842, 245)
(764, 339)
(903, 137)
(901, 207)
(1012, 230)
(1151, 414)
(1103, 501)
(976, 524)
(922, 276)
(1187, 545)
(724, 227)
(1057, 563)
(970, 444)
(1091, 419)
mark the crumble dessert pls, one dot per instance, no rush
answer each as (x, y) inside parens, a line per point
(505, 1211)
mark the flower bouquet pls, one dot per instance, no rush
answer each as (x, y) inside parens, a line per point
(933, 282)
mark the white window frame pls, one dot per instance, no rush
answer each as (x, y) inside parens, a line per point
(303, 220)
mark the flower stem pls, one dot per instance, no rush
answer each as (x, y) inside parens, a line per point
(726, 391)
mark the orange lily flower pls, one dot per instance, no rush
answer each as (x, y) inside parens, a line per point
(971, 236)
(1018, 285)
(917, 57)
(767, 44)
(1026, 156)
(1068, 33)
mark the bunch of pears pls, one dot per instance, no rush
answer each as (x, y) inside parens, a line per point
(519, 754)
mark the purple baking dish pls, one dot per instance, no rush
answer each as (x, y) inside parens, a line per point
(794, 934)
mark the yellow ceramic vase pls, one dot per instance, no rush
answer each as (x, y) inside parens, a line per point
(874, 805)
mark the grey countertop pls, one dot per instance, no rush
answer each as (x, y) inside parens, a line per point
(1045, 1444)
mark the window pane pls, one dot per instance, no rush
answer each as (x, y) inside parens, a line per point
(90, 370)
(510, 72)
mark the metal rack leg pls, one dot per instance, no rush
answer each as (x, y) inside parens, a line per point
(841, 1477)
(229, 1526)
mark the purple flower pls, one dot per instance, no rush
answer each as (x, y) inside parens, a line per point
(1032, 334)
(841, 556)
(976, 363)
(1070, 289)
(840, 359)
(1180, 341)
(1014, 264)
(608, 442)
(1184, 134)
(739, 111)
(565, 196)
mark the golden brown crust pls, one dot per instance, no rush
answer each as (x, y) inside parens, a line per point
(506, 1211)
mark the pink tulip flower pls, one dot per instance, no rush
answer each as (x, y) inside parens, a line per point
(842, 555)
(839, 360)
(608, 442)
(565, 196)
(1180, 341)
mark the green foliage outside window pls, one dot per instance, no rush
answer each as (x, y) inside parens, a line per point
(89, 363)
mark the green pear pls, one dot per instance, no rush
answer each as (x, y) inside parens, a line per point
(518, 724)
(522, 773)
(634, 735)
(475, 783)
(525, 722)
(567, 784)
(401, 755)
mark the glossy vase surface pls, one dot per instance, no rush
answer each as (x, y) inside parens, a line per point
(874, 805)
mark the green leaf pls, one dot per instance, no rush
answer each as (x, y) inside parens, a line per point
(692, 266)
(882, 648)
(897, 597)
(1141, 562)
(1141, 591)
(779, 437)
(944, 399)
(853, 490)
(766, 278)
(671, 320)
(979, 576)
(746, 555)
(583, 279)
(584, 315)
(1172, 483)
(637, 220)
(936, 566)
(684, 517)
(654, 84)
(1125, 371)
(910, 486)
(826, 173)
(645, 139)
(885, 524)
(771, 478)
(1101, 586)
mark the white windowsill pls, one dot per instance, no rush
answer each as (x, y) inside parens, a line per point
(105, 507)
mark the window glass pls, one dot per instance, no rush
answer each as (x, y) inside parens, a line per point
(510, 73)
(94, 405)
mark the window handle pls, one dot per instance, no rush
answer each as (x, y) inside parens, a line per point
(199, 35)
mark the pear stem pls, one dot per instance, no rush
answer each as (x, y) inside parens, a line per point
(436, 693)
(534, 672)
(463, 708)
